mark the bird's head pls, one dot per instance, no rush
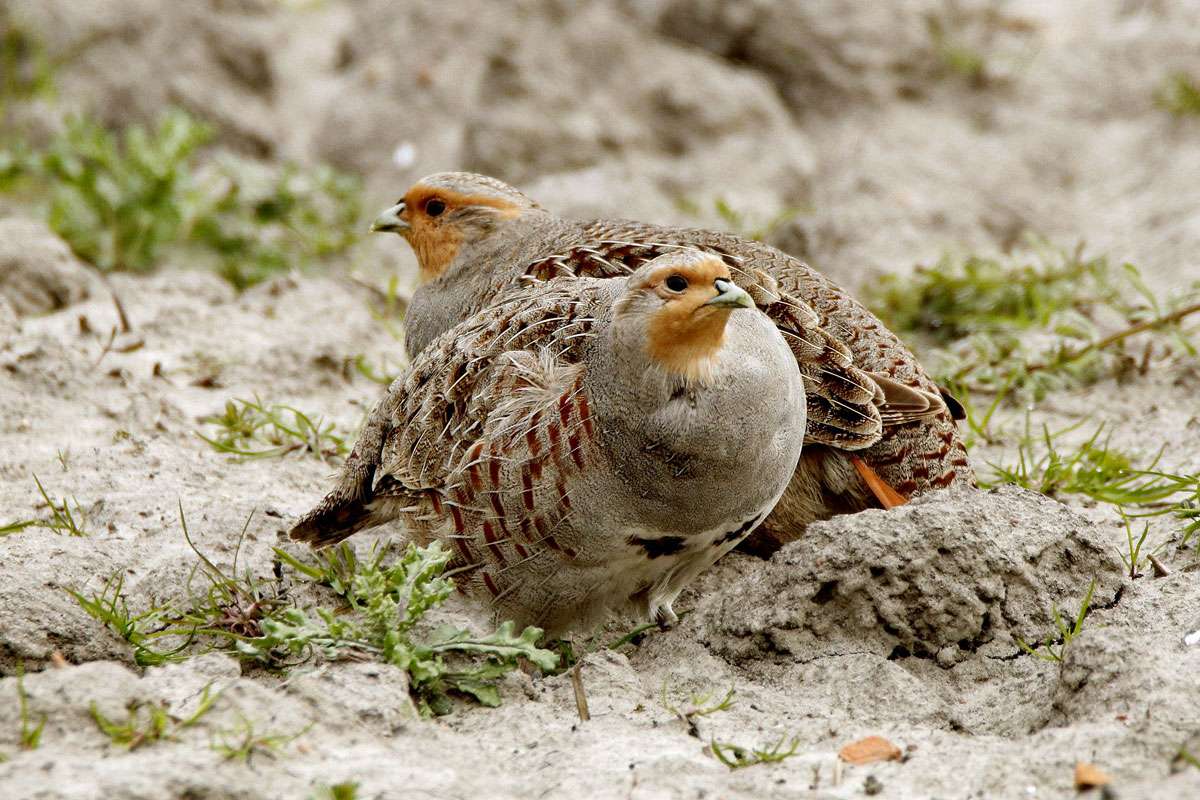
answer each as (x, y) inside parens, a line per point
(447, 211)
(680, 303)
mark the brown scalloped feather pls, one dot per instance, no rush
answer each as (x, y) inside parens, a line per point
(475, 444)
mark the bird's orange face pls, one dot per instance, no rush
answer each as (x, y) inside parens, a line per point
(437, 220)
(686, 331)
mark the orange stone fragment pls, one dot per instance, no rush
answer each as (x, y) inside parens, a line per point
(1089, 776)
(869, 750)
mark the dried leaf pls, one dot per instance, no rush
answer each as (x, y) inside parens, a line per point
(1089, 776)
(869, 750)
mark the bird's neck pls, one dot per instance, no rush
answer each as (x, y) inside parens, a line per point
(686, 346)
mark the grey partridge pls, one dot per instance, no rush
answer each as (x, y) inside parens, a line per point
(475, 236)
(584, 444)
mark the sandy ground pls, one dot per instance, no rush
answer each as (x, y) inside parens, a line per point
(898, 624)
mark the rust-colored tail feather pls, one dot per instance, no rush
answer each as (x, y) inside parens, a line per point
(887, 496)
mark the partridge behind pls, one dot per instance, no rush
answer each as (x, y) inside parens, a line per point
(873, 411)
(584, 444)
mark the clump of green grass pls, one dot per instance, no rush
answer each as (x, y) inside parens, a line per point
(1093, 469)
(243, 741)
(1096, 470)
(254, 429)
(263, 222)
(338, 791)
(26, 69)
(1026, 327)
(1184, 758)
(110, 607)
(385, 604)
(954, 56)
(1052, 648)
(698, 706)
(147, 723)
(66, 516)
(736, 756)
(128, 200)
(1179, 95)
(119, 201)
(958, 297)
(382, 602)
(750, 225)
(30, 736)
(1132, 556)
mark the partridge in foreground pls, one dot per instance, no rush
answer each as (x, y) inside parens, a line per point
(879, 439)
(584, 445)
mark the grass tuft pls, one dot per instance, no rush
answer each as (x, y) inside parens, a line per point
(1055, 320)
(254, 429)
(128, 200)
(118, 201)
(31, 732)
(736, 756)
(243, 741)
(747, 224)
(109, 607)
(147, 723)
(385, 602)
(1096, 470)
(381, 605)
(66, 516)
(1052, 648)
(347, 790)
(26, 69)
(956, 58)
(1179, 95)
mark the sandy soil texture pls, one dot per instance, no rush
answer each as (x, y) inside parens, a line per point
(900, 624)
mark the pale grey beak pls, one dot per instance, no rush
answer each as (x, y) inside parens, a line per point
(390, 221)
(730, 295)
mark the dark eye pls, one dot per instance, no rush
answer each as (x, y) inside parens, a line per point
(677, 283)
(434, 207)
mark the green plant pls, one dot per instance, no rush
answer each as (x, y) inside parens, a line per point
(281, 428)
(126, 200)
(1179, 95)
(1184, 758)
(1132, 556)
(62, 517)
(31, 732)
(757, 229)
(750, 225)
(243, 741)
(1093, 469)
(26, 70)
(261, 222)
(153, 725)
(1027, 327)
(1046, 650)
(110, 607)
(959, 297)
(347, 790)
(385, 604)
(736, 756)
(955, 57)
(118, 202)
(698, 706)
(16, 527)
(385, 373)
(231, 607)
